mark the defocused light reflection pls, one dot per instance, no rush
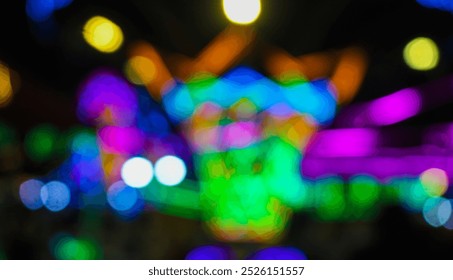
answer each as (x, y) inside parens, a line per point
(162, 78)
(55, 196)
(138, 172)
(438, 4)
(242, 11)
(40, 142)
(435, 181)
(102, 34)
(395, 107)
(42, 10)
(421, 54)
(140, 70)
(66, 247)
(122, 197)
(121, 140)
(247, 146)
(170, 170)
(364, 192)
(106, 98)
(349, 73)
(30, 194)
(437, 211)
(6, 89)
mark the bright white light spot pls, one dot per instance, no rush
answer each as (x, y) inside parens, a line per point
(137, 172)
(170, 170)
(242, 11)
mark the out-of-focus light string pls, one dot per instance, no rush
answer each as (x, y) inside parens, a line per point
(105, 97)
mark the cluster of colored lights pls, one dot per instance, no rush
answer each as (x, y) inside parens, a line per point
(247, 133)
(297, 96)
(418, 175)
(113, 159)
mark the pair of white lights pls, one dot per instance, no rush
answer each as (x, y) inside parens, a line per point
(137, 172)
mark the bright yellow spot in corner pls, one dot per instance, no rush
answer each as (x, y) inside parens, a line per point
(140, 70)
(421, 54)
(6, 90)
(242, 11)
(434, 181)
(102, 34)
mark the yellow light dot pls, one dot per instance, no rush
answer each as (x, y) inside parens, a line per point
(242, 11)
(140, 70)
(6, 90)
(102, 34)
(421, 54)
(434, 181)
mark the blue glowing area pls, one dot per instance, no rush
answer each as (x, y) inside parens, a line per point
(122, 197)
(179, 102)
(315, 99)
(437, 211)
(444, 5)
(55, 196)
(279, 253)
(151, 118)
(42, 10)
(210, 252)
(30, 194)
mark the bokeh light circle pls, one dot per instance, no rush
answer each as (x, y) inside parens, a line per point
(421, 54)
(170, 170)
(6, 89)
(55, 196)
(121, 197)
(66, 247)
(137, 172)
(140, 70)
(434, 181)
(437, 211)
(242, 11)
(102, 34)
(40, 142)
(30, 194)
